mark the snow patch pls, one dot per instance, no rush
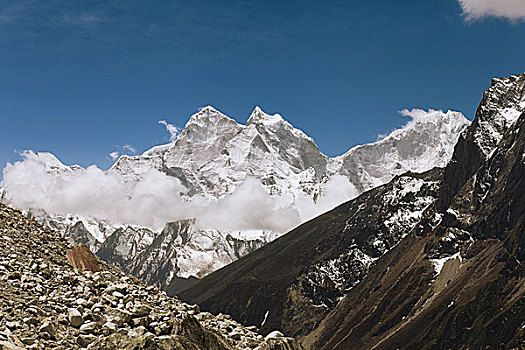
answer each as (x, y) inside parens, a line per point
(265, 317)
(512, 114)
(439, 263)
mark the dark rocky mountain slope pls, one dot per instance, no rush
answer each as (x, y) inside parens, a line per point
(294, 281)
(459, 285)
(428, 261)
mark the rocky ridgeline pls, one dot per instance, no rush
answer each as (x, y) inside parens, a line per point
(54, 294)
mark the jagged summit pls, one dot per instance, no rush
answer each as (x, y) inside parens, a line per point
(259, 116)
(502, 104)
(156, 150)
(207, 116)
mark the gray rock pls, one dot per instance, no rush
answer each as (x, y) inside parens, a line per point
(119, 287)
(12, 325)
(9, 346)
(141, 310)
(119, 316)
(28, 340)
(75, 317)
(88, 327)
(235, 336)
(109, 328)
(49, 328)
(274, 334)
(137, 332)
(85, 339)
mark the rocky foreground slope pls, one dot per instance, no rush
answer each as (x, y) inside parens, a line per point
(54, 294)
(428, 261)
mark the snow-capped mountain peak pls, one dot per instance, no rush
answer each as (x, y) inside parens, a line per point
(207, 115)
(267, 163)
(259, 116)
(274, 123)
(202, 139)
(156, 150)
(425, 142)
(51, 162)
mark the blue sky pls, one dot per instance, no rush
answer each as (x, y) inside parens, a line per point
(83, 79)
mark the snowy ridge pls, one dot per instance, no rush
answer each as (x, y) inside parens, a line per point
(425, 142)
(283, 157)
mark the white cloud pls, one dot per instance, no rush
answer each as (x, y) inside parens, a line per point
(158, 198)
(337, 190)
(381, 136)
(476, 9)
(126, 149)
(416, 113)
(114, 155)
(172, 129)
(249, 207)
(129, 148)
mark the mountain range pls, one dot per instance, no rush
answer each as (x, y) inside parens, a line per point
(426, 250)
(432, 260)
(208, 177)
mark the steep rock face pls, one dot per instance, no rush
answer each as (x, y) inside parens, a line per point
(502, 103)
(203, 138)
(80, 234)
(125, 244)
(179, 254)
(163, 253)
(291, 144)
(182, 250)
(133, 167)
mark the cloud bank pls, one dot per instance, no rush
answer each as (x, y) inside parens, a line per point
(158, 198)
(476, 9)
